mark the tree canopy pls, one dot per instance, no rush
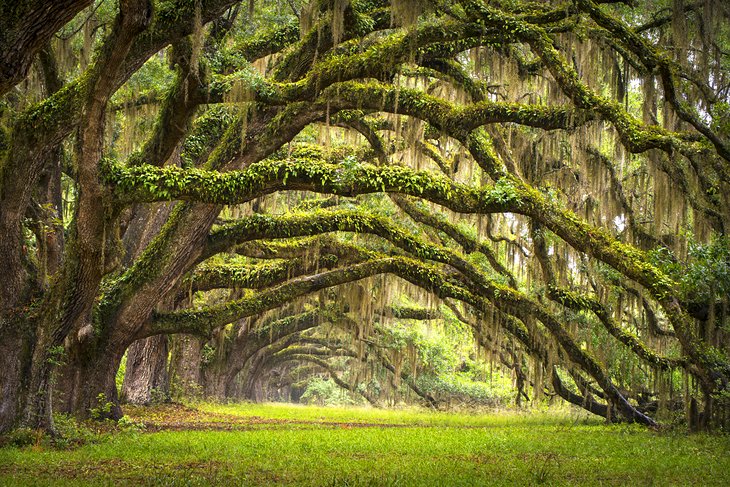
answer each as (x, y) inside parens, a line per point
(302, 183)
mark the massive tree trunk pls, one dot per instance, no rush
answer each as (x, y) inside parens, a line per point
(25, 27)
(251, 388)
(184, 371)
(95, 391)
(16, 350)
(146, 379)
(87, 387)
(213, 369)
(72, 298)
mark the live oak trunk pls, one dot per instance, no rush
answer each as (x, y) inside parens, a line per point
(184, 371)
(16, 350)
(146, 379)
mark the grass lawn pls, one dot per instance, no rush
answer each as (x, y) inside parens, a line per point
(253, 444)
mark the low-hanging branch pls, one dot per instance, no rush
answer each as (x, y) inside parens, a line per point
(578, 301)
(243, 276)
(248, 340)
(295, 248)
(468, 244)
(505, 299)
(258, 276)
(411, 313)
(149, 184)
(202, 322)
(145, 183)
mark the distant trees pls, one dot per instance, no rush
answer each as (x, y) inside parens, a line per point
(552, 175)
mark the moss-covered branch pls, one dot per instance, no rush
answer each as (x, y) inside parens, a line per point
(412, 313)
(653, 59)
(258, 276)
(636, 136)
(300, 248)
(176, 112)
(452, 119)
(259, 45)
(467, 242)
(204, 321)
(240, 276)
(148, 184)
(582, 302)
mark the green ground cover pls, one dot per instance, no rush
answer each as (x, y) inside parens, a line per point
(282, 444)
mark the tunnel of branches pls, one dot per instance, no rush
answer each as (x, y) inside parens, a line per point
(239, 200)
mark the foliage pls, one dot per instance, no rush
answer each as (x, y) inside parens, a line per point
(707, 271)
(23, 436)
(324, 392)
(102, 409)
(459, 390)
(119, 378)
(70, 433)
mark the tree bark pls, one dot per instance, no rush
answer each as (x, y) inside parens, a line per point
(146, 375)
(88, 388)
(72, 300)
(25, 27)
(146, 379)
(16, 350)
(184, 372)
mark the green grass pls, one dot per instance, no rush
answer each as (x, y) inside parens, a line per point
(368, 415)
(281, 444)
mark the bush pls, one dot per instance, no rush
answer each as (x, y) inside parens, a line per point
(460, 388)
(158, 396)
(21, 437)
(324, 392)
(102, 409)
(70, 433)
(128, 424)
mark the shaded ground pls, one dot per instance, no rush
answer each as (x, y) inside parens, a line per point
(178, 417)
(286, 445)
